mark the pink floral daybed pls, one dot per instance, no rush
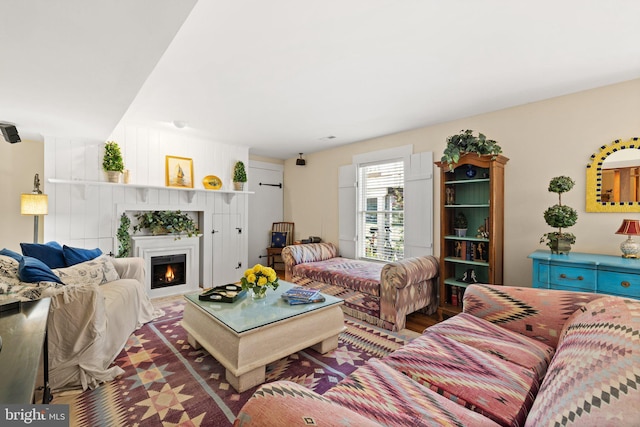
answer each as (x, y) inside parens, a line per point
(378, 293)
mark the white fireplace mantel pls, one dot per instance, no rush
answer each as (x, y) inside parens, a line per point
(147, 247)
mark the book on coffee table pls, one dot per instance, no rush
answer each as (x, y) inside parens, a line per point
(301, 295)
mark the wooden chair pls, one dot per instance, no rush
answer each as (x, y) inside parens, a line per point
(275, 250)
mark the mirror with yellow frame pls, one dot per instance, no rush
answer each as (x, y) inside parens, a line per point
(613, 178)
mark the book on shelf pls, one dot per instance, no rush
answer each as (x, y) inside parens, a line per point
(300, 295)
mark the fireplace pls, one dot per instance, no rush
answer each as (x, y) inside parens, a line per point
(168, 270)
(171, 265)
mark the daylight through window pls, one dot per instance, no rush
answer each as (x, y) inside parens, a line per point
(381, 210)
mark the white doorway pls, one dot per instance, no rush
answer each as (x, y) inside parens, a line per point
(266, 206)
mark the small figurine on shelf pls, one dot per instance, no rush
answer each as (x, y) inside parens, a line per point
(482, 232)
(450, 193)
(480, 249)
(469, 276)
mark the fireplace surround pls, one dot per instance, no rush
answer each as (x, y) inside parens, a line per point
(172, 265)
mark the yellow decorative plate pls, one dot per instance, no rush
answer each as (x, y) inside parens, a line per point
(212, 182)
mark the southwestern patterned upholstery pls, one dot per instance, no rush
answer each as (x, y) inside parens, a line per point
(514, 357)
(378, 293)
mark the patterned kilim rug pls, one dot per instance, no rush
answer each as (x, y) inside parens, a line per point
(168, 383)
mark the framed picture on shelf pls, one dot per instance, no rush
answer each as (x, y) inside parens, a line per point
(179, 172)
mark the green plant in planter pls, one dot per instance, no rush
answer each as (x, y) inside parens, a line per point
(466, 142)
(166, 222)
(560, 216)
(124, 239)
(112, 160)
(239, 173)
(460, 224)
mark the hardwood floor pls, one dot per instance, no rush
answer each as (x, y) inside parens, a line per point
(418, 322)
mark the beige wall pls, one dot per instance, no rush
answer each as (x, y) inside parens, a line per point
(542, 140)
(20, 162)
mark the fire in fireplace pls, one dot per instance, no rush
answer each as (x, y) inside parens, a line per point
(168, 270)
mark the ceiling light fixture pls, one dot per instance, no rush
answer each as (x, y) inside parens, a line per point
(180, 124)
(301, 161)
(326, 138)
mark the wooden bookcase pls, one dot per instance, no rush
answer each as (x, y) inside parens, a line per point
(480, 197)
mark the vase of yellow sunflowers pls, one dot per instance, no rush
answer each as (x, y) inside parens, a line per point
(258, 279)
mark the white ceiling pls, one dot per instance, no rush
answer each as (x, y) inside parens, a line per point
(278, 76)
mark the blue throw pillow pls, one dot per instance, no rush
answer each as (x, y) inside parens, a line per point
(32, 270)
(73, 256)
(278, 239)
(50, 253)
(12, 254)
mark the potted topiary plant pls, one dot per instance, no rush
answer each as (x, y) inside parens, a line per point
(466, 142)
(560, 216)
(166, 222)
(112, 162)
(460, 224)
(239, 176)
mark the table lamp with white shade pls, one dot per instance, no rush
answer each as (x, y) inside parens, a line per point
(36, 204)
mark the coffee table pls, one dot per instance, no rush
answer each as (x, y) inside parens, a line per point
(246, 335)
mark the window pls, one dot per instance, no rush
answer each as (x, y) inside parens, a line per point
(381, 210)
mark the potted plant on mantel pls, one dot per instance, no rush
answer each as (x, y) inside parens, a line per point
(466, 142)
(112, 162)
(560, 216)
(166, 222)
(239, 176)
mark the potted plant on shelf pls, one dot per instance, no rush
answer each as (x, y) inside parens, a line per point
(460, 224)
(239, 176)
(560, 216)
(112, 162)
(166, 222)
(466, 142)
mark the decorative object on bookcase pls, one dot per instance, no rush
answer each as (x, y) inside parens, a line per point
(258, 279)
(239, 176)
(124, 239)
(112, 162)
(560, 216)
(166, 222)
(629, 248)
(465, 142)
(481, 200)
(471, 171)
(460, 224)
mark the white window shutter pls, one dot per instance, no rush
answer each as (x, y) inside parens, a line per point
(418, 205)
(347, 210)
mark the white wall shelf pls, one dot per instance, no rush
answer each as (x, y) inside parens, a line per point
(144, 189)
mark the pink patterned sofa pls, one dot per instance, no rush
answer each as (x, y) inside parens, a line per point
(378, 293)
(514, 357)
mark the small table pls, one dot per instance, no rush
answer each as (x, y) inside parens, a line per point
(246, 335)
(24, 348)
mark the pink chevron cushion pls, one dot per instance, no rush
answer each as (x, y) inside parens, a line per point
(594, 378)
(495, 388)
(285, 403)
(485, 336)
(383, 394)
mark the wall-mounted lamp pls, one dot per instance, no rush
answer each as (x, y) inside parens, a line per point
(629, 248)
(301, 161)
(34, 203)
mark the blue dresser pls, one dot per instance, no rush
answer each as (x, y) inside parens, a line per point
(601, 274)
